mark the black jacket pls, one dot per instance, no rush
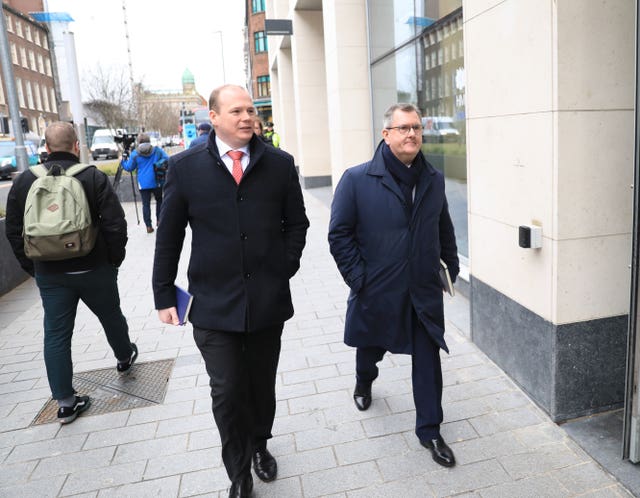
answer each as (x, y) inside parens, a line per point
(106, 213)
(247, 239)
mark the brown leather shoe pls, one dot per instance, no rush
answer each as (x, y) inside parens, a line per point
(149, 229)
(264, 465)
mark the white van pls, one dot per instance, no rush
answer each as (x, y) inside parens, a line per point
(439, 129)
(103, 145)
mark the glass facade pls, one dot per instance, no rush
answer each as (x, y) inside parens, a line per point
(417, 56)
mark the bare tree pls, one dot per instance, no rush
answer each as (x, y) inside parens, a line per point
(160, 116)
(110, 101)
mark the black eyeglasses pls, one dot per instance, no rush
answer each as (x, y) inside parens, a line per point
(404, 129)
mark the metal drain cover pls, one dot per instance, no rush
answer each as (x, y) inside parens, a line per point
(146, 385)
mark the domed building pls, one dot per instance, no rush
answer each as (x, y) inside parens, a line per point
(163, 111)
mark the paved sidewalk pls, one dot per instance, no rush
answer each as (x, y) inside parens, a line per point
(505, 446)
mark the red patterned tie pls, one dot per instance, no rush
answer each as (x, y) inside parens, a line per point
(236, 171)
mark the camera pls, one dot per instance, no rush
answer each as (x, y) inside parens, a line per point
(125, 139)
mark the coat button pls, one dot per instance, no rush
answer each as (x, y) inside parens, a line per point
(243, 236)
(247, 275)
(240, 198)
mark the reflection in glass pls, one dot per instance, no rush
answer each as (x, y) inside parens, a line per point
(417, 56)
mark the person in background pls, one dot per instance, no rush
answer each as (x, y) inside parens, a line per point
(244, 205)
(63, 283)
(271, 137)
(389, 228)
(258, 129)
(143, 159)
(203, 135)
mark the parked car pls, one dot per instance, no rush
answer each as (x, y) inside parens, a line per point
(439, 129)
(103, 145)
(8, 164)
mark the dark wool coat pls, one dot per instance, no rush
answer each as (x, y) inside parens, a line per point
(389, 258)
(247, 239)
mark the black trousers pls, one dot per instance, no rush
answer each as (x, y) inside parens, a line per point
(426, 377)
(242, 375)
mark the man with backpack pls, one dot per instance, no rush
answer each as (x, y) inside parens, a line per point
(151, 163)
(67, 229)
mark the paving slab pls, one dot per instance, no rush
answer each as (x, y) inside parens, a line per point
(506, 446)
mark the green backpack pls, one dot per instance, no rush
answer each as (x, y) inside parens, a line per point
(57, 218)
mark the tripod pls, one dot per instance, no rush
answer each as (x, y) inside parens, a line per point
(117, 179)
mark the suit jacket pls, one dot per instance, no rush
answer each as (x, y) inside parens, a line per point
(390, 256)
(247, 239)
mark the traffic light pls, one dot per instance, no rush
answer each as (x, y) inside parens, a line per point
(24, 122)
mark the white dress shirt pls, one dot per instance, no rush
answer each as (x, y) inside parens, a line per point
(223, 148)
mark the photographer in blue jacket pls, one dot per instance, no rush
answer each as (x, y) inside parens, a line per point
(151, 164)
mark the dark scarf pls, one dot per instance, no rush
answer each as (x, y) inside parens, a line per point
(405, 177)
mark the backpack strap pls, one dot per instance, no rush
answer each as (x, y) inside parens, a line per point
(39, 170)
(76, 168)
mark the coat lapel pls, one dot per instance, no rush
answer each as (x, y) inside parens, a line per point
(256, 149)
(378, 168)
(424, 183)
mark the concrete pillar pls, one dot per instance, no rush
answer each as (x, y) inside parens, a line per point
(550, 96)
(348, 84)
(310, 92)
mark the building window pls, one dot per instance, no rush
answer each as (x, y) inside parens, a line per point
(45, 98)
(257, 6)
(29, 95)
(18, 28)
(32, 61)
(36, 37)
(264, 86)
(260, 41)
(9, 20)
(54, 107)
(20, 93)
(27, 32)
(47, 64)
(41, 64)
(36, 90)
(45, 41)
(14, 53)
(23, 57)
(2, 101)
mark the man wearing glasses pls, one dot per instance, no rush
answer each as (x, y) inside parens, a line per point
(389, 228)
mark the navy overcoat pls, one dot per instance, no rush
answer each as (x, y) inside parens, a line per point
(390, 258)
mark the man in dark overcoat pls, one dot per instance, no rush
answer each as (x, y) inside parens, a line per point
(389, 228)
(244, 205)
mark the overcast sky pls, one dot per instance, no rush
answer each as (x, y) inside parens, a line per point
(165, 37)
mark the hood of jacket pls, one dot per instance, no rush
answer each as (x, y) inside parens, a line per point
(145, 149)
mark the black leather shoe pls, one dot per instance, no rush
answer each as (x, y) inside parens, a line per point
(362, 396)
(440, 452)
(242, 488)
(264, 465)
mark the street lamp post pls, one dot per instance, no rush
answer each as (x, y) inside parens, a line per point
(224, 74)
(22, 162)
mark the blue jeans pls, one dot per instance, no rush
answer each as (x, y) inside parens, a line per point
(145, 194)
(60, 294)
